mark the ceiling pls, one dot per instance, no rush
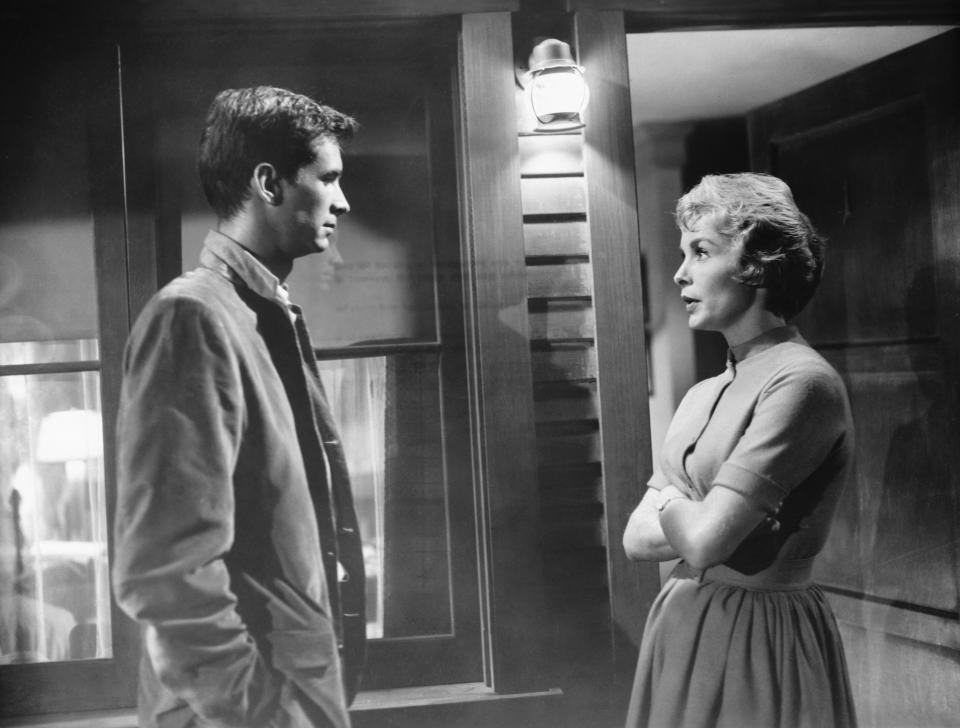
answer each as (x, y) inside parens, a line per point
(695, 75)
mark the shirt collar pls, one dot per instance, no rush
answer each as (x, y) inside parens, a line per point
(223, 252)
(767, 340)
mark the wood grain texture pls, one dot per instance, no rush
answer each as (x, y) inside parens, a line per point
(617, 296)
(232, 10)
(571, 237)
(553, 196)
(498, 324)
(551, 154)
(647, 15)
(564, 365)
(873, 157)
(561, 280)
(562, 320)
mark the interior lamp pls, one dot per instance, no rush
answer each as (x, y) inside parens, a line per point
(72, 437)
(558, 91)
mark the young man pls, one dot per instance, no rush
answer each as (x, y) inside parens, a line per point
(237, 548)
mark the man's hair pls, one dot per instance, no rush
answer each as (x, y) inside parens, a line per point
(248, 126)
(780, 250)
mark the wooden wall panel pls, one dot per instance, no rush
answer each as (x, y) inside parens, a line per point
(553, 196)
(618, 301)
(865, 168)
(563, 365)
(569, 450)
(502, 379)
(561, 320)
(561, 155)
(873, 156)
(185, 11)
(562, 331)
(566, 401)
(569, 237)
(559, 280)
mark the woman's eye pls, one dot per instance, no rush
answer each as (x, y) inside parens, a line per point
(700, 253)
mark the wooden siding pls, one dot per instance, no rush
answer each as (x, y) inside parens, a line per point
(567, 414)
(502, 380)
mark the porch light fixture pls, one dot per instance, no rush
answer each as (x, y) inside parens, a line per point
(558, 91)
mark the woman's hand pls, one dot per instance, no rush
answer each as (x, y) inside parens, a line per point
(669, 493)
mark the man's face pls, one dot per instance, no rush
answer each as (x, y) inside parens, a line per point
(312, 202)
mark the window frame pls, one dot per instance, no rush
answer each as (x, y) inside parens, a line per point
(102, 684)
(155, 216)
(442, 658)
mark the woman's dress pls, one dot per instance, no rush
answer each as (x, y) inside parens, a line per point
(753, 642)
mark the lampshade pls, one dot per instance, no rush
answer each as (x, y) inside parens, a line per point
(69, 435)
(558, 90)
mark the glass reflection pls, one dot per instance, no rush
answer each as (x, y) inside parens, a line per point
(54, 594)
(388, 409)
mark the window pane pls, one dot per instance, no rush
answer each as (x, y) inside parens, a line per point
(34, 352)
(54, 594)
(47, 282)
(378, 281)
(390, 419)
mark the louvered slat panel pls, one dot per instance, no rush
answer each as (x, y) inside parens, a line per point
(562, 332)
(564, 365)
(576, 482)
(560, 280)
(564, 402)
(586, 567)
(562, 321)
(551, 155)
(553, 196)
(566, 238)
(571, 449)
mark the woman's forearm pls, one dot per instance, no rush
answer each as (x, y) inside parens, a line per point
(643, 538)
(706, 533)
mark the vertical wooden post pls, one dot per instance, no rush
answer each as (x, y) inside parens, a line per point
(621, 356)
(497, 324)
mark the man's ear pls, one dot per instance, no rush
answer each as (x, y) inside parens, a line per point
(266, 184)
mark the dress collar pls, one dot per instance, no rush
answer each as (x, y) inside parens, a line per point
(768, 339)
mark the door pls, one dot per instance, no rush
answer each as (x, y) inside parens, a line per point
(874, 158)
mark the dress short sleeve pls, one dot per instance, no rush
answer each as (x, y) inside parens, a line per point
(800, 417)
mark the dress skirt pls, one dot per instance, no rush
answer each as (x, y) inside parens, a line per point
(720, 652)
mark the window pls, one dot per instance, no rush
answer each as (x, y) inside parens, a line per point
(98, 220)
(385, 314)
(57, 341)
(54, 603)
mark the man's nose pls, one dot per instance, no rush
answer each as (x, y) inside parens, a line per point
(341, 206)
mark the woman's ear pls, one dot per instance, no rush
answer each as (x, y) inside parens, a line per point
(266, 184)
(752, 273)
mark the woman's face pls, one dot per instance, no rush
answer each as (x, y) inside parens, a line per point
(713, 299)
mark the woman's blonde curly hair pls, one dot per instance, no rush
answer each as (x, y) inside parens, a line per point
(780, 249)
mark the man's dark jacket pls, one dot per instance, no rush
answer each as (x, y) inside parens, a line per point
(234, 509)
